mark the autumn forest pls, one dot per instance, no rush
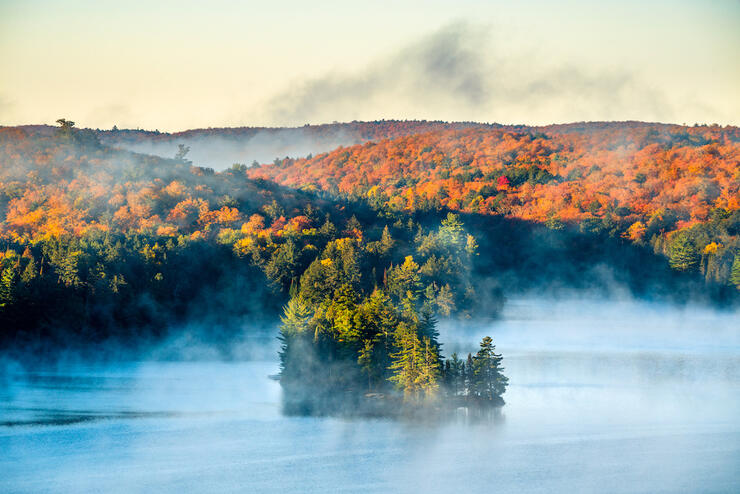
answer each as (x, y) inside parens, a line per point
(357, 252)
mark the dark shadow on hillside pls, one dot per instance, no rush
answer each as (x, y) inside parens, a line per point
(527, 256)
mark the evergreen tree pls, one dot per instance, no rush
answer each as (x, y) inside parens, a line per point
(428, 329)
(182, 151)
(295, 318)
(405, 362)
(451, 232)
(457, 375)
(445, 300)
(30, 271)
(489, 383)
(386, 242)
(404, 281)
(387, 321)
(735, 271)
(281, 268)
(366, 362)
(293, 335)
(428, 376)
(7, 285)
(468, 371)
(683, 255)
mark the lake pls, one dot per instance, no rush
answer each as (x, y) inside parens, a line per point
(618, 396)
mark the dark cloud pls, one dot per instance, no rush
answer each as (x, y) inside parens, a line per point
(457, 72)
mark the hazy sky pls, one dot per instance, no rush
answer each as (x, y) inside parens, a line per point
(179, 64)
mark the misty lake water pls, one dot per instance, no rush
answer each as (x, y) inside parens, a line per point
(604, 397)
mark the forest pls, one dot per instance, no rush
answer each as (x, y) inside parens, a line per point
(357, 253)
(672, 189)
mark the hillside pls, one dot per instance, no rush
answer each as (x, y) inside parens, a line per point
(98, 243)
(220, 148)
(670, 188)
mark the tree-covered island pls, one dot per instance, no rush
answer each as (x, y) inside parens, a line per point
(352, 348)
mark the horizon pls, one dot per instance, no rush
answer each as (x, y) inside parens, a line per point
(323, 124)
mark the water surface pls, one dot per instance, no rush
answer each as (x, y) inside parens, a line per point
(604, 397)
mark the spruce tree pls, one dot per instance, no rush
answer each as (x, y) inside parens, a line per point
(296, 356)
(735, 271)
(405, 362)
(7, 284)
(457, 375)
(468, 371)
(386, 242)
(682, 254)
(427, 379)
(365, 360)
(489, 383)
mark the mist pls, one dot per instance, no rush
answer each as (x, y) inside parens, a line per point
(261, 145)
(465, 69)
(644, 392)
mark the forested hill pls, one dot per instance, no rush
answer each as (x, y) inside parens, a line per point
(219, 148)
(98, 243)
(669, 188)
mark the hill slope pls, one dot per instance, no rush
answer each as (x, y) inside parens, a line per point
(219, 148)
(675, 188)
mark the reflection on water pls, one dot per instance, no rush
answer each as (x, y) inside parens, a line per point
(588, 410)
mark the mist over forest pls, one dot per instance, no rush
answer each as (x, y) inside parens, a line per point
(370, 247)
(443, 275)
(105, 244)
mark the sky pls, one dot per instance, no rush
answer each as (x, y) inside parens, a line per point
(173, 65)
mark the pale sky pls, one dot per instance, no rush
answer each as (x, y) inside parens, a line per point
(173, 65)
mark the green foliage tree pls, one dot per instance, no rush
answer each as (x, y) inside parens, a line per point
(488, 381)
(295, 318)
(182, 151)
(405, 362)
(7, 285)
(66, 128)
(683, 255)
(735, 272)
(281, 268)
(428, 376)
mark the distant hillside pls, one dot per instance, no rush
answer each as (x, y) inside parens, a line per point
(99, 242)
(671, 187)
(219, 148)
(51, 186)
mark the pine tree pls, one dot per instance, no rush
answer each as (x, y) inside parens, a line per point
(7, 284)
(468, 375)
(30, 271)
(451, 233)
(365, 360)
(294, 339)
(428, 376)
(735, 271)
(428, 329)
(281, 268)
(489, 383)
(386, 242)
(682, 254)
(445, 301)
(405, 362)
(295, 318)
(387, 322)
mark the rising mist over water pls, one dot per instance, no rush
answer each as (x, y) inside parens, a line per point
(645, 397)
(360, 247)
